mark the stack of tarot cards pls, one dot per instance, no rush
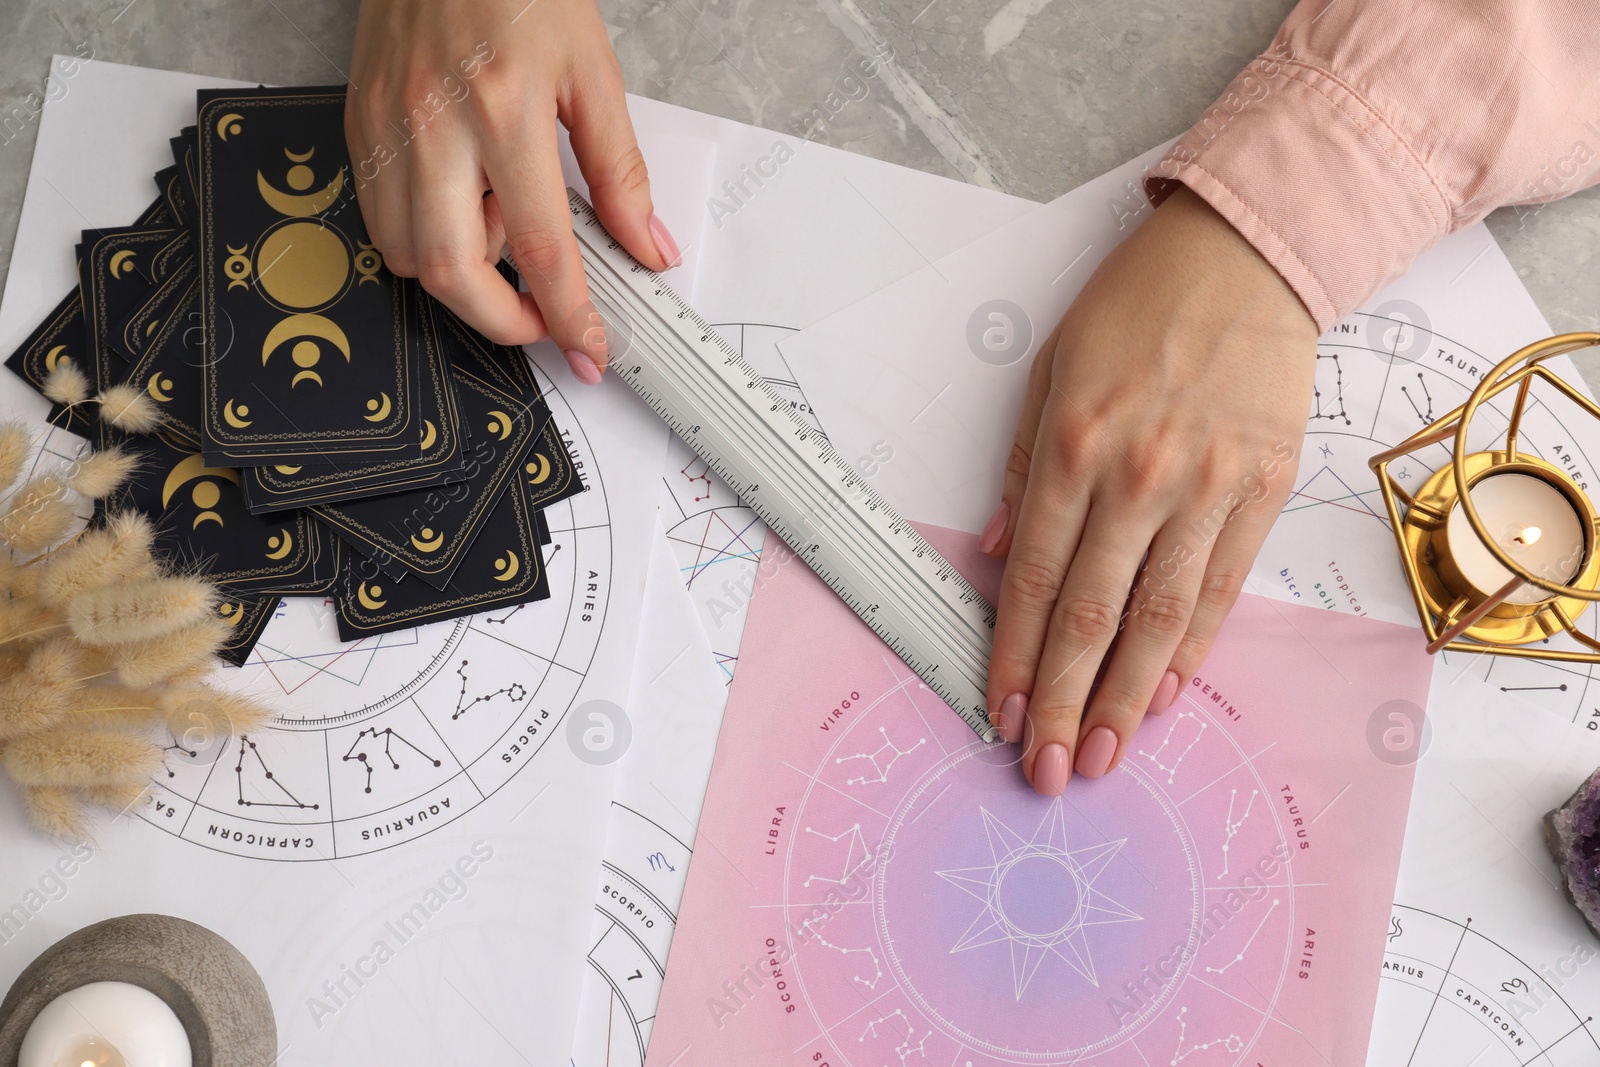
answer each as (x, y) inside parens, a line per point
(326, 428)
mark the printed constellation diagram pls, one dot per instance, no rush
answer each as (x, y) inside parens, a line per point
(957, 884)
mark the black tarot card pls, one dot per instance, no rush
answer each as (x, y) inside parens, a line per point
(247, 619)
(427, 532)
(168, 367)
(63, 337)
(503, 568)
(322, 356)
(271, 488)
(202, 525)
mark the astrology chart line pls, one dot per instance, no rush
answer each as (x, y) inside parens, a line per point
(1439, 992)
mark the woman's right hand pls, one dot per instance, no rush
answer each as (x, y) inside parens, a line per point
(454, 99)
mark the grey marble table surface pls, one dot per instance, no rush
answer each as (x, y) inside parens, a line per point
(1031, 97)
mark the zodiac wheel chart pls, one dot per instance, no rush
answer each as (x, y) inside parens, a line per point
(936, 909)
(379, 741)
(1452, 994)
(1380, 377)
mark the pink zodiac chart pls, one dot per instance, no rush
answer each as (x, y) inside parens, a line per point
(872, 885)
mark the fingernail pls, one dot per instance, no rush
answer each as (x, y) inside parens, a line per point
(1166, 693)
(997, 526)
(664, 242)
(584, 369)
(1051, 769)
(1096, 752)
(1013, 709)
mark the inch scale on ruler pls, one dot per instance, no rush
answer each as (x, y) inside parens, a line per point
(790, 475)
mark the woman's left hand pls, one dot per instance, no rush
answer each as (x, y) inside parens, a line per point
(1155, 448)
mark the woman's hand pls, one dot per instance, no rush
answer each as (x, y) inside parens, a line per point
(450, 99)
(1157, 443)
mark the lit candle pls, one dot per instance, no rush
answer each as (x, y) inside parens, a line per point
(106, 1024)
(1531, 520)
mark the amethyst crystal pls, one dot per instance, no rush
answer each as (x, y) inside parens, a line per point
(1572, 833)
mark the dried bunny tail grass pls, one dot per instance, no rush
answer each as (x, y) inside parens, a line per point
(28, 705)
(119, 796)
(39, 514)
(142, 664)
(81, 758)
(99, 474)
(57, 662)
(98, 558)
(113, 707)
(16, 445)
(56, 812)
(127, 408)
(25, 619)
(66, 385)
(139, 610)
(201, 716)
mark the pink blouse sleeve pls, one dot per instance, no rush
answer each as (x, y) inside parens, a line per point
(1372, 128)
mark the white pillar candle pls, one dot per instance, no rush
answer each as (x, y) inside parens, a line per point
(1528, 517)
(106, 1024)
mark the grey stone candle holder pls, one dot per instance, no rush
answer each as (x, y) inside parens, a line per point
(208, 984)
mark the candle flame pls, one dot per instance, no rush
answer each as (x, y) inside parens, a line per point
(1529, 535)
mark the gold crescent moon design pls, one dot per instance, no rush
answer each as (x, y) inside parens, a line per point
(233, 417)
(283, 549)
(231, 613)
(54, 357)
(287, 470)
(188, 469)
(539, 469)
(500, 424)
(229, 124)
(509, 567)
(380, 409)
(150, 329)
(204, 517)
(369, 598)
(121, 262)
(430, 434)
(428, 541)
(302, 204)
(306, 158)
(305, 326)
(154, 388)
(305, 376)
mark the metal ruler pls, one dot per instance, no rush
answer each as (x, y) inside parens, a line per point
(790, 475)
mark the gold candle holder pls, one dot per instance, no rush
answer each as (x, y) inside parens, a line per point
(1501, 566)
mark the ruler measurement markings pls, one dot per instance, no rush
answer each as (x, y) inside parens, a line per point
(823, 502)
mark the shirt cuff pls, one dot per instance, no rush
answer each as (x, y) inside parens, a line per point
(1315, 178)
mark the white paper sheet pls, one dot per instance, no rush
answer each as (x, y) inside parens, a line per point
(439, 917)
(898, 368)
(676, 710)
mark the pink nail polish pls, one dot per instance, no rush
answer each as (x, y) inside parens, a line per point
(1096, 752)
(664, 242)
(1013, 710)
(583, 368)
(996, 526)
(1051, 769)
(1166, 693)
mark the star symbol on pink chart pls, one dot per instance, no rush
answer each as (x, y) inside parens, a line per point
(1038, 897)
